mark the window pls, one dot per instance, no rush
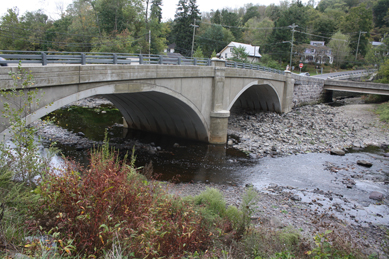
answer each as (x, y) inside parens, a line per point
(225, 55)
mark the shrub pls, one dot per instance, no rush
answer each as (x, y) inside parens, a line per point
(107, 203)
(383, 111)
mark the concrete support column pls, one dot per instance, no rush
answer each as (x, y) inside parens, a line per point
(218, 116)
(287, 99)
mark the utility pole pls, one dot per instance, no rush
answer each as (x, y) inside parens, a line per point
(291, 43)
(149, 42)
(194, 31)
(356, 53)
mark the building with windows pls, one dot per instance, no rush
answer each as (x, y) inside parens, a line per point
(316, 52)
(254, 52)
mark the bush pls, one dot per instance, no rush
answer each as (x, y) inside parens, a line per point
(383, 111)
(91, 209)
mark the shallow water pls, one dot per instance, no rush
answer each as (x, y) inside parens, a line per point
(319, 179)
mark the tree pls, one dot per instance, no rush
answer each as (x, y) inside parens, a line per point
(339, 45)
(324, 26)
(296, 12)
(12, 35)
(332, 4)
(231, 21)
(156, 10)
(239, 54)
(186, 14)
(359, 19)
(198, 53)
(214, 38)
(380, 11)
(258, 31)
(251, 12)
(36, 24)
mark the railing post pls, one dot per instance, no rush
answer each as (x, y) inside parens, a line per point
(243, 65)
(140, 59)
(195, 61)
(160, 61)
(208, 62)
(44, 59)
(115, 59)
(178, 61)
(83, 59)
(235, 65)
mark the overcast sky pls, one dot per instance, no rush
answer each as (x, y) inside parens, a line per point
(50, 7)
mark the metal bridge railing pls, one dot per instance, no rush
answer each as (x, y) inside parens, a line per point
(352, 74)
(83, 58)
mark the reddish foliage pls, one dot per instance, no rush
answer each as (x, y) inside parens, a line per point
(107, 201)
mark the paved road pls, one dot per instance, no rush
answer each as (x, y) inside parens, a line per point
(325, 76)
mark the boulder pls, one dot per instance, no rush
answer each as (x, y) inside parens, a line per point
(376, 196)
(337, 152)
(364, 163)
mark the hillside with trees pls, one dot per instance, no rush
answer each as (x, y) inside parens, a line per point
(347, 26)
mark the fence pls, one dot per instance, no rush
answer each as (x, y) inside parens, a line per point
(52, 57)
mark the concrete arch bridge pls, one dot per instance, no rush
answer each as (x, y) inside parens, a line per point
(186, 101)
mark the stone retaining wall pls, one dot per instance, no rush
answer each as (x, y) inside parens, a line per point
(307, 90)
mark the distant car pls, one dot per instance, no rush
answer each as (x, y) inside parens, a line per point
(3, 64)
(305, 74)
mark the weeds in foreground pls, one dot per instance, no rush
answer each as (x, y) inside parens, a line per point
(90, 209)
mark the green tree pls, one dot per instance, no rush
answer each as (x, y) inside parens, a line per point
(324, 26)
(339, 45)
(198, 53)
(296, 12)
(251, 12)
(239, 54)
(380, 11)
(12, 35)
(231, 21)
(332, 4)
(359, 19)
(36, 24)
(186, 14)
(214, 38)
(156, 10)
(258, 31)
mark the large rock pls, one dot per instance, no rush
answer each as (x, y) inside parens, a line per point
(337, 152)
(376, 196)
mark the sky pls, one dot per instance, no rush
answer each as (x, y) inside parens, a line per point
(50, 7)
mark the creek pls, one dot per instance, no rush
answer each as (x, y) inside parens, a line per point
(319, 179)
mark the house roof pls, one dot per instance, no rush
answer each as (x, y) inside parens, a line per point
(377, 43)
(253, 51)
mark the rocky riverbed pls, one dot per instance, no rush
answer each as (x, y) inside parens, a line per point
(307, 129)
(298, 182)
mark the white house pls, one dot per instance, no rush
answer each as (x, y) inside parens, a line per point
(253, 51)
(317, 53)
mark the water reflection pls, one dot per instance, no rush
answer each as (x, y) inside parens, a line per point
(171, 157)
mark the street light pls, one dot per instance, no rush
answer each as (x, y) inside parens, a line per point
(356, 53)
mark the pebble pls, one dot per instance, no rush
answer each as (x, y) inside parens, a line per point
(376, 196)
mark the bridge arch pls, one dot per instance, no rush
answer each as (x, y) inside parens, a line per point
(156, 109)
(258, 96)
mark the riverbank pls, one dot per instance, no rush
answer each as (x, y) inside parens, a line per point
(309, 192)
